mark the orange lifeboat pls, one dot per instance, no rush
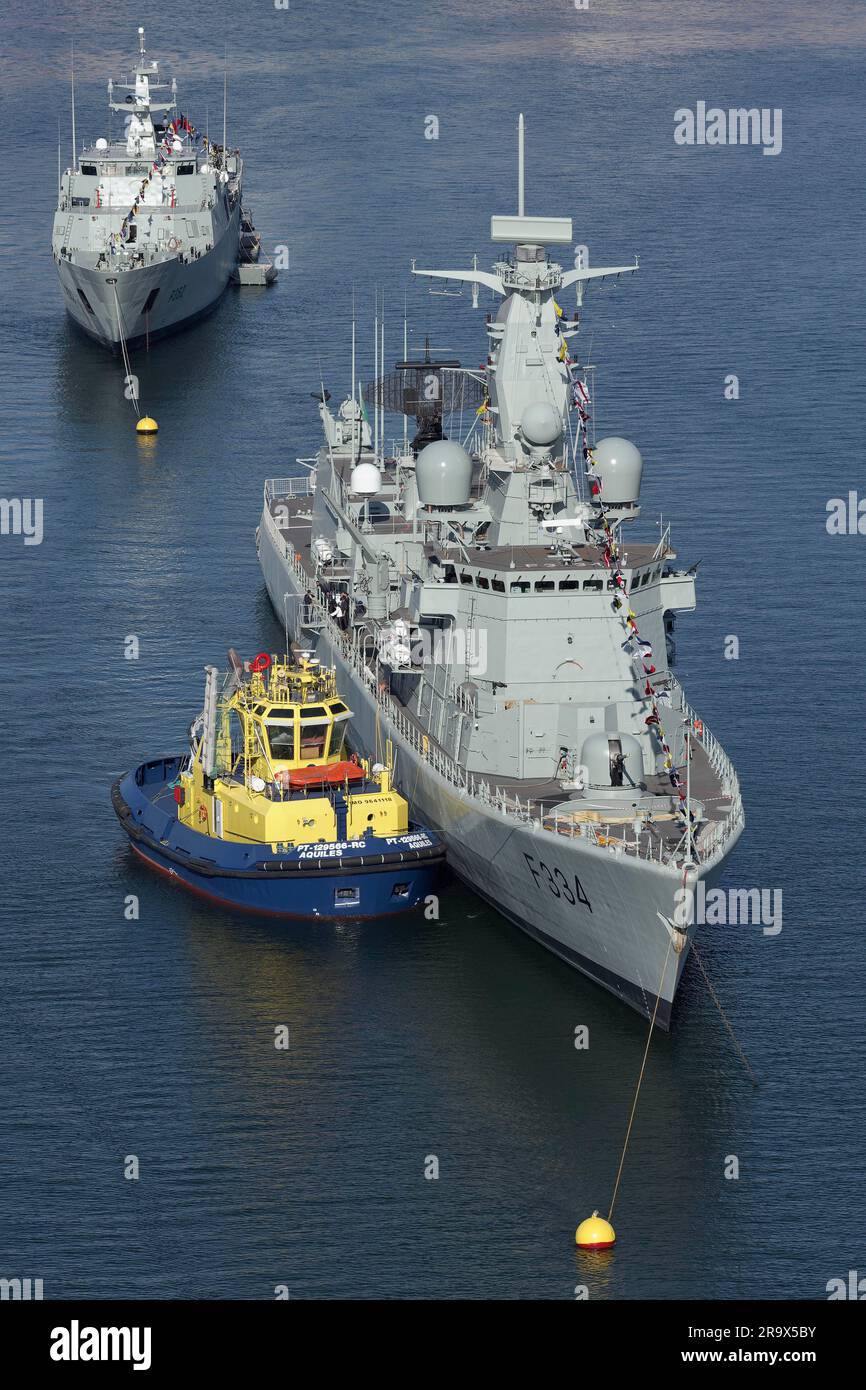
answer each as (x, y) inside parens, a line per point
(331, 774)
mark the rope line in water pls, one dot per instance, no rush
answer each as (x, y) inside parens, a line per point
(715, 998)
(639, 1080)
(123, 349)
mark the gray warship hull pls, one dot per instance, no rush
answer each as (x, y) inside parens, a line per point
(608, 914)
(181, 293)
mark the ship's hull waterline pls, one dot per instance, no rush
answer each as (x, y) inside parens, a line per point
(599, 912)
(187, 292)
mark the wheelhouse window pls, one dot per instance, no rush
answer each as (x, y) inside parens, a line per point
(314, 737)
(281, 740)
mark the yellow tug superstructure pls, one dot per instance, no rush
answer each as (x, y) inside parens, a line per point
(287, 719)
(269, 812)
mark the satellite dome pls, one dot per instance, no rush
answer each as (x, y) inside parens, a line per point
(443, 474)
(102, 143)
(620, 468)
(598, 754)
(366, 479)
(541, 424)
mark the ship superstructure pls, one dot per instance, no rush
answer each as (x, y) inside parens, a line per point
(148, 224)
(484, 606)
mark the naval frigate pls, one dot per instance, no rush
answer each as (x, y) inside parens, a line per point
(147, 228)
(487, 615)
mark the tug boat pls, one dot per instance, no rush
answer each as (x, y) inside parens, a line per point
(268, 812)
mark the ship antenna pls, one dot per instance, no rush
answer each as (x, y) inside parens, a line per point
(520, 132)
(405, 359)
(141, 40)
(72, 80)
(356, 424)
(225, 93)
(376, 375)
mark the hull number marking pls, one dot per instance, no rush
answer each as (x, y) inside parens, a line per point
(556, 882)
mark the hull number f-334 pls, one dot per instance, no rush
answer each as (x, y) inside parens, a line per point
(556, 882)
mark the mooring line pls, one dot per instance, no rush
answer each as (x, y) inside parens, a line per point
(715, 998)
(640, 1080)
(125, 354)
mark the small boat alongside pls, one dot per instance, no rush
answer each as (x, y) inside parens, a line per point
(268, 812)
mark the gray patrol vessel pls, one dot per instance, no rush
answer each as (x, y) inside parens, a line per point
(148, 226)
(487, 615)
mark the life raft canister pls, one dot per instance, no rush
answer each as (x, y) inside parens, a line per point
(329, 774)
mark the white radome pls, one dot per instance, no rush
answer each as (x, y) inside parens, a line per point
(366, 479)
(541, 424)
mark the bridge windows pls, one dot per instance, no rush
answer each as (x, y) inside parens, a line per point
(281, 738)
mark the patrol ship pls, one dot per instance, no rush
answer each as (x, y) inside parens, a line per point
(147, 228)
(484, 607)
(268, 813)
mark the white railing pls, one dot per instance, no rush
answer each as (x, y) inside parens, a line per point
(716, 834)
(712, 840)
(288, 487)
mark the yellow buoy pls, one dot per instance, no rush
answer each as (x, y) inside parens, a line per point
(595, 1233)
(146, 425)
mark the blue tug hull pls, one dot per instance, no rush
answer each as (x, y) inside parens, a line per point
(356, 878)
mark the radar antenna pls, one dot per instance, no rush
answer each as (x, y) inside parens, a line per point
(429, 388)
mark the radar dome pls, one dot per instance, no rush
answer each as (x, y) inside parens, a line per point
(599, 756)
(102, 143)
(443, 474)
(541, 424)
(366, 479)
(619, 468)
